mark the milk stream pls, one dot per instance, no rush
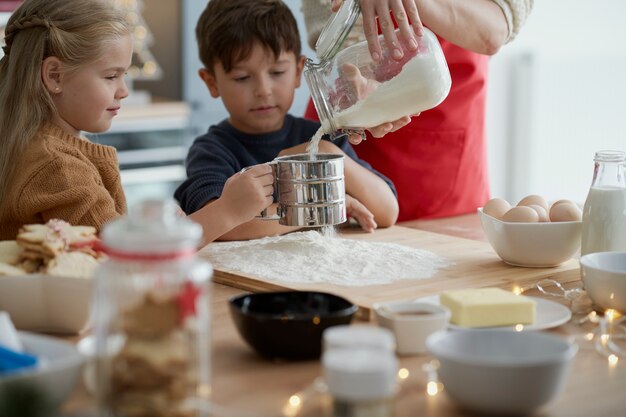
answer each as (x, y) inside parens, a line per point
(419, 86)
(604, 220)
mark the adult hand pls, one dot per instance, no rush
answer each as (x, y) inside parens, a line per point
(361, 88)
(248, 192)
(356, 209)
(406, 16)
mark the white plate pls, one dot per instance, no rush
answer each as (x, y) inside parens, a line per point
(45, 303)
(549, 314)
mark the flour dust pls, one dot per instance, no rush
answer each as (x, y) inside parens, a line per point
(311, 257)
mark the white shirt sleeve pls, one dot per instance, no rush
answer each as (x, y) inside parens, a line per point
(515, 12)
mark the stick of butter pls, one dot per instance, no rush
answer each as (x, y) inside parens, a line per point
(485, 307)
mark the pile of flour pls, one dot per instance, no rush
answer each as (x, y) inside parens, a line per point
(310, 257)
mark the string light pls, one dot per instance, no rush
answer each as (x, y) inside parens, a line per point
(403, 373)
(293, 406)
(611, 315)
(144, 66)
(432, 388)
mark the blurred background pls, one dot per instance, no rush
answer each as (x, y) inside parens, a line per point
(556, 96)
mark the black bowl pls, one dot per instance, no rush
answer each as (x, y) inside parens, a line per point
(288, 324)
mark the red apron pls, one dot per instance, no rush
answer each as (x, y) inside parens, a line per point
(438, 162)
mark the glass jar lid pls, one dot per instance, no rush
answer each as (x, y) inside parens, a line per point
(336, 30)
(152, 227)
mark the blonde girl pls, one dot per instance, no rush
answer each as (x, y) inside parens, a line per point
(62, 73)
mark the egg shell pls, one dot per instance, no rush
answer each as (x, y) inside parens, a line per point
(534, 199)
(565, 212)
(521, 214)
(496, 207)
(541, 212)
(557, 202)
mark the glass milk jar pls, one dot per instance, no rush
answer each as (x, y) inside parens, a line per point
(352, 92)
(604, 214)
(151, 316)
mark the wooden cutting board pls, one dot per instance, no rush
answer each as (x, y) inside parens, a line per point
(474, 264)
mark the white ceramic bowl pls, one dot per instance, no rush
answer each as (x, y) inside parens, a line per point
(532, 244)
(55, 304)
(499, 371)
(604, 278)
(411, 323)
(51, 381)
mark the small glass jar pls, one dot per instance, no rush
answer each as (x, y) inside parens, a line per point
(352, 92)
(604, 213)
(151, 316)
(362, 381)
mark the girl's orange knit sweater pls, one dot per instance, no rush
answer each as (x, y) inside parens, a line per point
(65, 177)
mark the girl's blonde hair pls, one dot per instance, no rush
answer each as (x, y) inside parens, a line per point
(77, 33)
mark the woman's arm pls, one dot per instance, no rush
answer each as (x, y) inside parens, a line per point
(481, 26)
(477, 25)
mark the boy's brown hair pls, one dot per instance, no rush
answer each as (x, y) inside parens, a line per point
(227, 30)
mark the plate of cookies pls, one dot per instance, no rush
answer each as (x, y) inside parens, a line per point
(46, 276)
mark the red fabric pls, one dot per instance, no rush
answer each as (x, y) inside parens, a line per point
(9, 6)
(438, 162)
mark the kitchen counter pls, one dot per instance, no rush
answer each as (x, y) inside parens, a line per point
(245, 384)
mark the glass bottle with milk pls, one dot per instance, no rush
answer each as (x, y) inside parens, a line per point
(604, 214)
(351, 92)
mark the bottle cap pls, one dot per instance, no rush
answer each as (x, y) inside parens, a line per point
(610, 156)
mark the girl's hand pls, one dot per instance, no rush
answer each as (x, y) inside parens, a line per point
(403, 12)
(248, 192)
(355, 209)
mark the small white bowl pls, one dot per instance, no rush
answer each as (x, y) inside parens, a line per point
(499, 371)
(55, 304)
(411, 323)
(52, 380)
(537, 245)
(604, 278)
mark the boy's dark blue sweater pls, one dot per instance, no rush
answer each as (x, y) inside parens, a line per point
(223, 151)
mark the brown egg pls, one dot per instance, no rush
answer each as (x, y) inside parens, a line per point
(565, 212)
(521, 214)
(557, 202)
(541, 212)
(496, 207)
(534, 199)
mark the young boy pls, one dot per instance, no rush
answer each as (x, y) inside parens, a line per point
(251, 55)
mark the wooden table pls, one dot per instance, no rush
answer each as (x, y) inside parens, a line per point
(247, 385)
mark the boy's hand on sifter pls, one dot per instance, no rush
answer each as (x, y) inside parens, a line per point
(356, 209)
(250, 191)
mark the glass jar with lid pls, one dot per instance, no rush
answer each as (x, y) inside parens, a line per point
(352, 92)
(151, 316)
